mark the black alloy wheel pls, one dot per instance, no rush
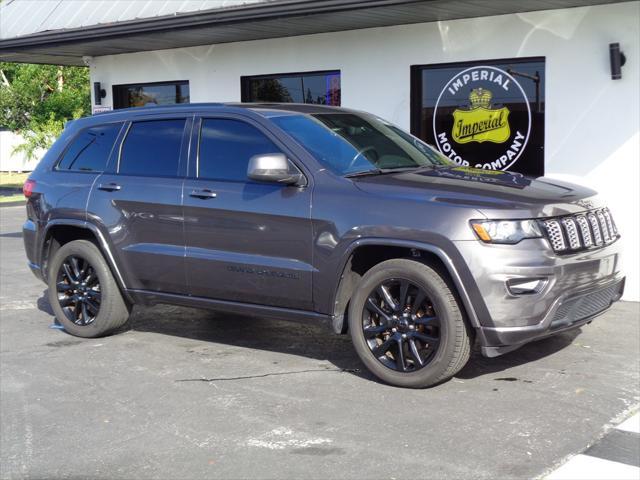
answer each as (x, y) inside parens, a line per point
(400, 325)
(83, 293)
(78, 288)
(406, 324)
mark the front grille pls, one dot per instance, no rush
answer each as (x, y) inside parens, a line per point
(575, 233)
(576, 309)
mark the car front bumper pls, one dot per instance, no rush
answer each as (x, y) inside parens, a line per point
(573, 289)
(568, 312)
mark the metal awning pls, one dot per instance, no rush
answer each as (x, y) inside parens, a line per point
(248, 21)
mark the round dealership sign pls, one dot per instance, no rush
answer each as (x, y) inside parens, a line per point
(482, 118)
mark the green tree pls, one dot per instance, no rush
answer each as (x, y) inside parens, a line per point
(37, 100)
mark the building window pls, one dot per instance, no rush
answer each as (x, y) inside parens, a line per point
(483, 114)
(313, 87)
(141, 94)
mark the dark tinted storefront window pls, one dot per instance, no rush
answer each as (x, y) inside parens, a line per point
(139, 95)
(152, 148)
(90, 150)
(486, 114)
(226, 147)
(319, 87)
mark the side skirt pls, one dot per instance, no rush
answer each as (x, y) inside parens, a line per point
(146, 297)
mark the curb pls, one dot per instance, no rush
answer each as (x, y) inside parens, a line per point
(13, 204)
(615, 454)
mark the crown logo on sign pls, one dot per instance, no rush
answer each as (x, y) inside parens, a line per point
(479, 97)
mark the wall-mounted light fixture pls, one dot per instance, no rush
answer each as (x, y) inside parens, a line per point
(617, 61)
(98, 93)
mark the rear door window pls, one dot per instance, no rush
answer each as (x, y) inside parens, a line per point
(90, 149)
(152, 148)
(226, 147)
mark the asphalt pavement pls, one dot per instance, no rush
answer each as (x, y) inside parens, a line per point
(183, 393)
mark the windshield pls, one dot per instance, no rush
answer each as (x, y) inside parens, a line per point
(348, 143)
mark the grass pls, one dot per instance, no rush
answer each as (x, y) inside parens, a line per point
(11, 198)
(12, 180)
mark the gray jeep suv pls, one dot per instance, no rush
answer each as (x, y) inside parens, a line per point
(314, 213)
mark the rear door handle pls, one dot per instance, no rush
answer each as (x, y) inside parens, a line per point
(109, 187)
(205, 193)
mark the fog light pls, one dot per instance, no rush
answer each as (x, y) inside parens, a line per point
(525, 286)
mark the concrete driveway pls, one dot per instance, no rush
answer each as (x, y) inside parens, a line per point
(184, 393)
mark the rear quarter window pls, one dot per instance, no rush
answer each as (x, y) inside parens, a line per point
(89, 150)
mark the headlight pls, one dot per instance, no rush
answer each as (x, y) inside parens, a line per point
(505, 231)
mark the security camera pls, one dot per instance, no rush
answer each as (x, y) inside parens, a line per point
(87, 59)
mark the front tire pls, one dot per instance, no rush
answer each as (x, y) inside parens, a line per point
(406, 325)
(83, 294)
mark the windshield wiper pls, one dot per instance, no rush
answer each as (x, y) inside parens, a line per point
(383, 171)
(364, 173)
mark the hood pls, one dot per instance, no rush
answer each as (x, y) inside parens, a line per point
(485, 190)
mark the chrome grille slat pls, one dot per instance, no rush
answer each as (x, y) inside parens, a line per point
(573, 233)
(604, 227)
(555, 235)
(595, 227)
(610, 224)
(585, 231)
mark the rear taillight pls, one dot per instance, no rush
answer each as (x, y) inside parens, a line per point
(27, 188)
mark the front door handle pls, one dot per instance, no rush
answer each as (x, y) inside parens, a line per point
(109, 187)
(204, 193)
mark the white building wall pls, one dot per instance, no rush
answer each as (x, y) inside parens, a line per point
(592, 123)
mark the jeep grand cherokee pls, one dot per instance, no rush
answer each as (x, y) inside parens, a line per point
(314, 213)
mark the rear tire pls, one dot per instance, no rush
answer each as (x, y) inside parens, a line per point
(83, 294)
(406, 325)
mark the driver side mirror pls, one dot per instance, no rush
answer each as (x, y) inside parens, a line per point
(274, 168)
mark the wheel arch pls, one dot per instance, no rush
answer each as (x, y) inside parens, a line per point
(376, 250)
(61, 231)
